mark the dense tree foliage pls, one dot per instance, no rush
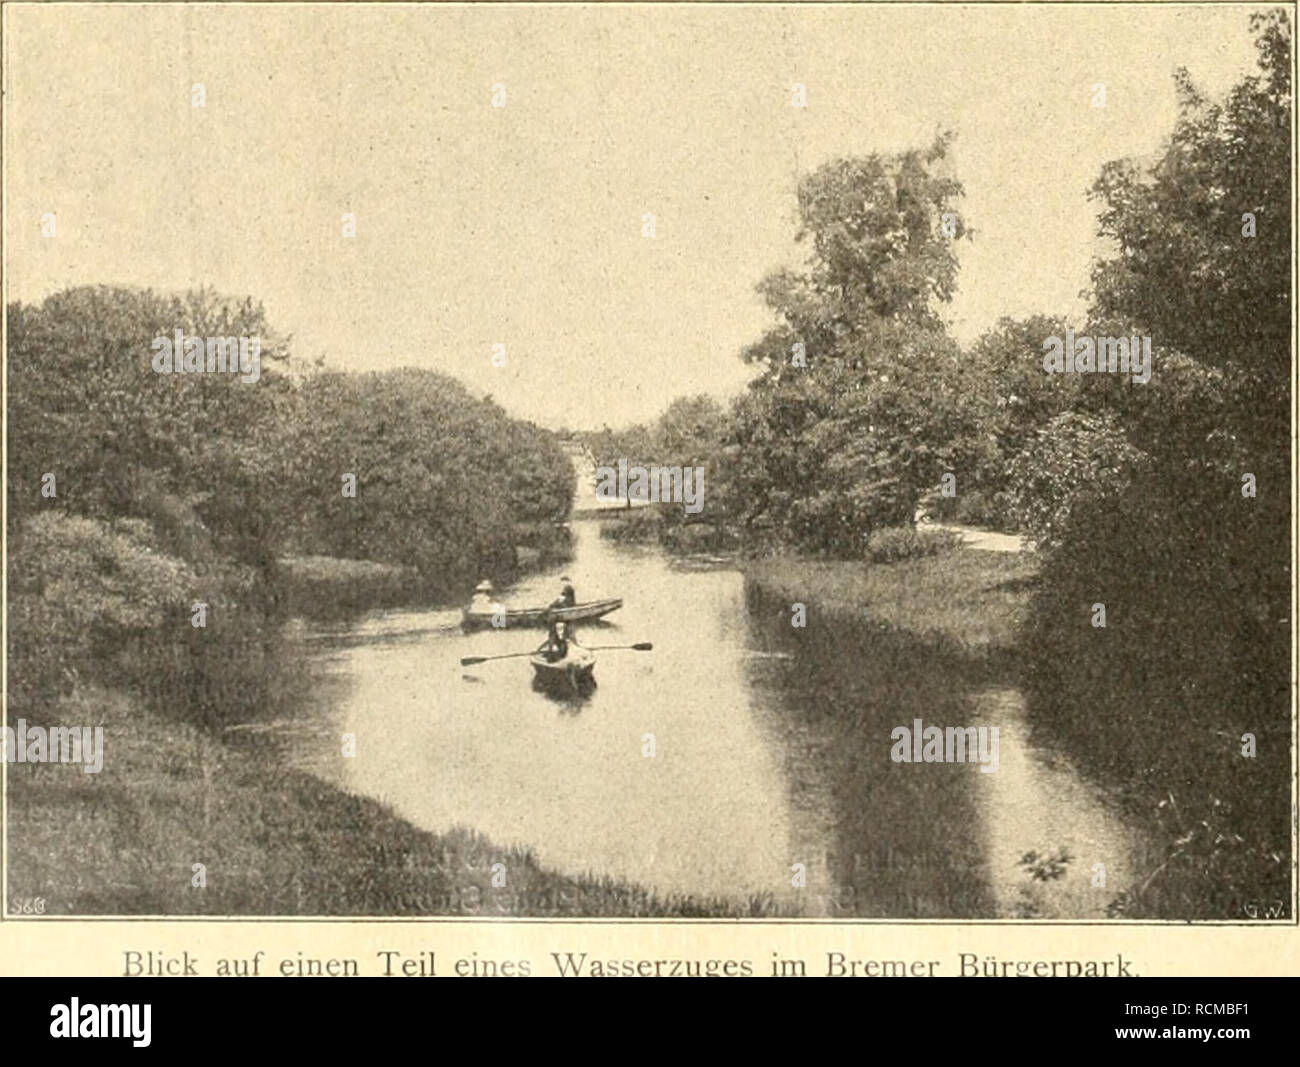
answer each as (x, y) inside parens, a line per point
(1170, 503)
(443, 480)
(123, 441)
(1009, 401)
(174, 489)
(860, 403)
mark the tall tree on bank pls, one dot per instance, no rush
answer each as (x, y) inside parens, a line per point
(858, 407)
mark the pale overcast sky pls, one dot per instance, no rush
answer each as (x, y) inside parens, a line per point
(522, 224)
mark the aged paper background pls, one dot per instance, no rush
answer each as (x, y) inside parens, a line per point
(150, 199)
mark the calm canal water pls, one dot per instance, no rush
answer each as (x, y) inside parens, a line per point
(771, 753)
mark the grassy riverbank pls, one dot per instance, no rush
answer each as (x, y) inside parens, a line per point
(272, 841)
(967, 603)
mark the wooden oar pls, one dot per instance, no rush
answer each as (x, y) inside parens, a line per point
(469, 661)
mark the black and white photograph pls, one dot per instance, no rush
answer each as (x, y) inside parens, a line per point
(767, 462)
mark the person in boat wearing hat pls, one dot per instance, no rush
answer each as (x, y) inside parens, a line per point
(567, 597)
(482, 601)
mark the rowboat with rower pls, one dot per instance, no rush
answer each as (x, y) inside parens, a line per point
(483, 614)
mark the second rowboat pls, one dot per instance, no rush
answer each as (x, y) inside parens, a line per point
(516, 618)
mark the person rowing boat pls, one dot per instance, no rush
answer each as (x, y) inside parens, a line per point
(556, 645)
(568, 597)
(558, 638)
(562, 661)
